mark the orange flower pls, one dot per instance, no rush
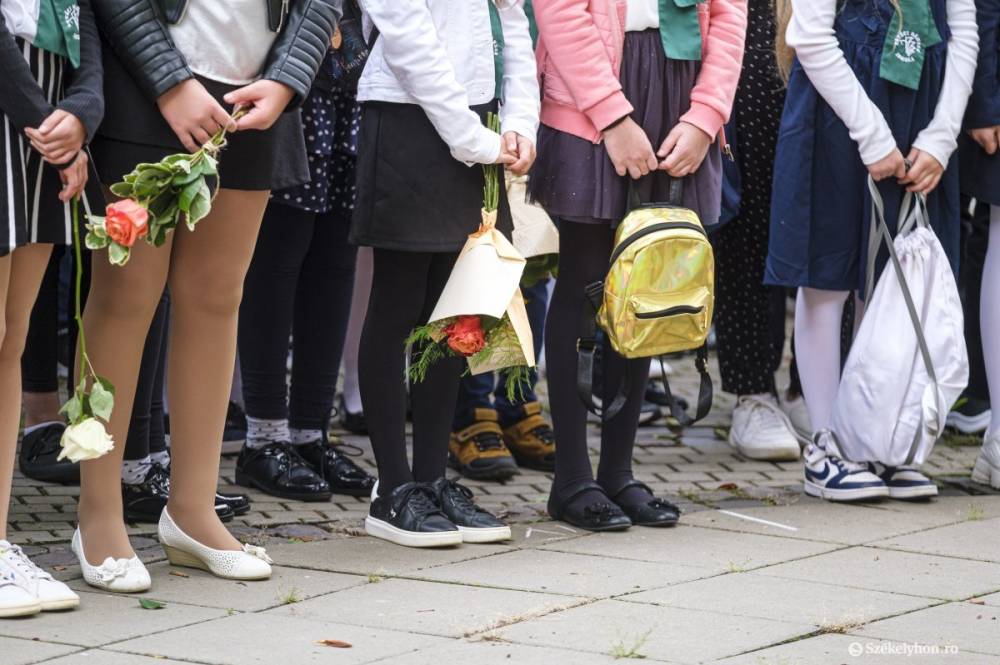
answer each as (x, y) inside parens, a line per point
(126, 222)
(466, 336)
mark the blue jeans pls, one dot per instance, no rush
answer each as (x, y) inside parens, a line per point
(483, 391)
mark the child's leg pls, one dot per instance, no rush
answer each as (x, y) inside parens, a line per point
(818, 318)
(359, 305)
(39, 365)
(207, 270)
(990, 315)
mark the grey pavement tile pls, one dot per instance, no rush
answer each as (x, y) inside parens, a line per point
(661, 633)
(490, 652)
(104, 657)
(958, 508)
(752, 594)
(194, 587)
(363, 555)
(896, 572)
(970, 627)
(542, 533)
(694, 546)
(426, 607)
(978, 539)
(105, 618)
(832, 649)
(266, 639)
(560, 572)
(992, 599)
(26, 652)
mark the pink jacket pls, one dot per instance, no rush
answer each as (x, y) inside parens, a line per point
(580, 53)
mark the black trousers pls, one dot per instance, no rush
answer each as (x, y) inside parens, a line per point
(147, 429)
(299, 284)
(975, 239)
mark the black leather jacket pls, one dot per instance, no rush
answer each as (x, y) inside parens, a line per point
(137, 31)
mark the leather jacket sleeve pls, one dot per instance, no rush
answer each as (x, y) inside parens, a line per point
(137, 31)
(300, 48)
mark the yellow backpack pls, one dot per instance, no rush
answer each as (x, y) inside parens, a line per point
(659, 294)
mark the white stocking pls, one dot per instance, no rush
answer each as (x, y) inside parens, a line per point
(818, 319)
(990, 315)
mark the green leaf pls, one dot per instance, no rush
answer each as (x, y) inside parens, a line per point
(95, 241)
(179, 162)
(210, 166)
(73, 410)
(102, 400)
(122, 189)
(200, 206)
(189, 193)
(117, 254)
(184, 179)
(150, 604)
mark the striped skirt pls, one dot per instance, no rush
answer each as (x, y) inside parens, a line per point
(30, 210)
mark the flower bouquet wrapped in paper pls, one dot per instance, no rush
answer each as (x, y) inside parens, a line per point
(480, 315)
(535, 235)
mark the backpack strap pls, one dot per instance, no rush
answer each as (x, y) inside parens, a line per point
(676, 191)
(706, 392)
(586, 345)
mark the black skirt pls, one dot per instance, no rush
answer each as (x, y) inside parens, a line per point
(133, 131)
(412, 195)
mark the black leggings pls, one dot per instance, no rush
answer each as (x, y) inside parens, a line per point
(299, 282)
(405, 288)
(584, 251)
(146, 431)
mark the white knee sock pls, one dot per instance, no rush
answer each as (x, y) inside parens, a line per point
(989, 312)
(261, 432)
(818, 318)
(300, 437)
(135, 471)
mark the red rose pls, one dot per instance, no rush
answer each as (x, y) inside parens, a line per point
(466, 336)
(126, 222)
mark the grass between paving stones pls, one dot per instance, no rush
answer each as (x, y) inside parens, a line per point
(629, 648)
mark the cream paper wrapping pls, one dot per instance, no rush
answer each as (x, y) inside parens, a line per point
(534, 233)
(486, 281)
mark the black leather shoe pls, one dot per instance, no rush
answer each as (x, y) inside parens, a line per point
(238, 503)
(278, 469)
(410, 515)
(354, 423)
(599, 515)
(39, 451)
(476, 524)
(144, 502)
(653, 512)
(333, 465)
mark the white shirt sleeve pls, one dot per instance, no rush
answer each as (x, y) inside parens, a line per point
(414, 52)
(940, 137)
(811, 34)
(521, 102)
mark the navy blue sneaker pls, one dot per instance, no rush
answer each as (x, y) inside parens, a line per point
(829, 477)
(904, 482)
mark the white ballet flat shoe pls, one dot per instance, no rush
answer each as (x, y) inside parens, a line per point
(115, 575)
(250, 563)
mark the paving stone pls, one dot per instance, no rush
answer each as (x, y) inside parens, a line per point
(971, 627)
(425, 607)
(266, 639)
(827, 606)
(966, 540)
(105, 618)
(834, 649)
(662, 633)
(25, 652)
(542, 533)
(104, 657)
(497, 651)
(897, 572)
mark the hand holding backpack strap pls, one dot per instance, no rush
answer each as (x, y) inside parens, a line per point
(676, 191)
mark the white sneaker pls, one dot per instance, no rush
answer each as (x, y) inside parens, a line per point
(987, 468)
(797, 414)
(829, 477)
(115, 575)
(761, 430)
(250, 563)
(15, 600)
(51, 594)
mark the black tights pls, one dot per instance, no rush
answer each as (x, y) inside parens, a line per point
(146, 430)
(584, 250)
(405, 289)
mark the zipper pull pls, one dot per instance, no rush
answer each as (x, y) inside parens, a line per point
(284, 13)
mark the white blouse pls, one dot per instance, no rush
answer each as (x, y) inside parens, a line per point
(642, 15)
(225, 40)
(811, 34)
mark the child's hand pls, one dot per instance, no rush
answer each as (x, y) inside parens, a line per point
(891, 166)
(988, 138)
(193, 114)
(74, 177)
(268, 100)
(522, 149)
(683, 150)
(924, 173)
(629, 149)
(59, 137)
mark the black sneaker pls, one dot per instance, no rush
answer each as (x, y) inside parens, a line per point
(39, 450)
(333, 465)
(238, 503)
(145, 501)
(970, 415)
(410, 516)
(475, 524)
(354, 423)
(279, 470)
(235, 434)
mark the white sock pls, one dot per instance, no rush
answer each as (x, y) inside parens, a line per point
(989, 313)
(162, 458)
(818, 318)
(135, 471)
(261, 432)
(29, 430)
(359, 307)
(302, 436)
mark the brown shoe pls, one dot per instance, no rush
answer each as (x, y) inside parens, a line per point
(532, 441)
(478, 451)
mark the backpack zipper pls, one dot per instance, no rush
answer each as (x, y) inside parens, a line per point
(662, 226)
(670, 311)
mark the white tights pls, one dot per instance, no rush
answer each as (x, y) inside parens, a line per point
(990, 315)
(818, 319)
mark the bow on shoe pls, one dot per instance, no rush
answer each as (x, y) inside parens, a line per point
(112, 569)
(259, 552)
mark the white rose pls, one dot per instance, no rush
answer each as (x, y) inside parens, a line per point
(85, 441)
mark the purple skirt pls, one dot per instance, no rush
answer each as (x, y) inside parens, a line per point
(574, 178)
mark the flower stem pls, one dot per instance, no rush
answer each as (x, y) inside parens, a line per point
(85, 365)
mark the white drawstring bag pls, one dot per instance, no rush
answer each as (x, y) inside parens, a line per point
(908, 363)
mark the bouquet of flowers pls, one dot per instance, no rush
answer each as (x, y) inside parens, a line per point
(535, 236)
(480, 315)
